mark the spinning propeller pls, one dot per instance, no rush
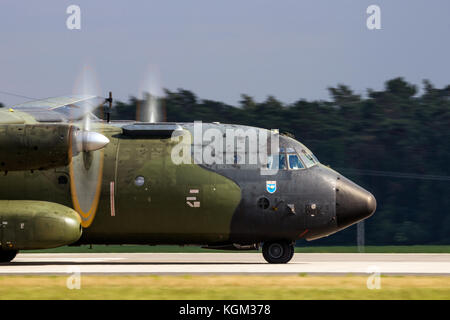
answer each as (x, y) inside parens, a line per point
(87, 150)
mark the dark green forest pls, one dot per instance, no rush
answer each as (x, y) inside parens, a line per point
(395, 143)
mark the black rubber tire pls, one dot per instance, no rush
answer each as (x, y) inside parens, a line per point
(278, 251)
(7, 255)
(292, 249)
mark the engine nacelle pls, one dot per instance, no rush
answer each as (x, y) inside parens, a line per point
(28, 224)
(44, 146)
(34, 146)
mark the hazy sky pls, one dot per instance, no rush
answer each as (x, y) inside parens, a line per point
(220, 49)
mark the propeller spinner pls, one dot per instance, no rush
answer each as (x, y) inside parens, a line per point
(85, 141)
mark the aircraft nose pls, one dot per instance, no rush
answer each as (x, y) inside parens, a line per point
(353, 203)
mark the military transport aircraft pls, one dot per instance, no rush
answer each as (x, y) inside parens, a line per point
(70, 178)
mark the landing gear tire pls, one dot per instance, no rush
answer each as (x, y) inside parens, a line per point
(7, 255)
(278, 251)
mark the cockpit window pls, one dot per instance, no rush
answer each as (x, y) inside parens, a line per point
(294, 162)
(282, 161)
(292, 159)
(271, 164)
(308, 158)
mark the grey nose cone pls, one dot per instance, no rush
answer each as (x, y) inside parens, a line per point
(90, 141)
(353, 203)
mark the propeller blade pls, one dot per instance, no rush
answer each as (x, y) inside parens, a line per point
(86, 167)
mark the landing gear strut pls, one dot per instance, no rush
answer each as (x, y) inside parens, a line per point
(7, 255)
(278, 251)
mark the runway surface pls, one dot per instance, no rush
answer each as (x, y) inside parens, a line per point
(226, 263)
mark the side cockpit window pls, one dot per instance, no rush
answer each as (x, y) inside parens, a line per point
(294, 162)
(280, 164)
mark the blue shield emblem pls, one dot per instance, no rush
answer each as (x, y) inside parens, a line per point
(271, 186)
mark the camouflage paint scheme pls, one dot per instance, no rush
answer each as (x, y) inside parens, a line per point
(158, 212)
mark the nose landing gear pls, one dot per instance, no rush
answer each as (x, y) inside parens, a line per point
(278, 251)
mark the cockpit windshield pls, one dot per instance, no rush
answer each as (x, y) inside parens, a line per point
(289, 159)
(307, 158)
(294, 162)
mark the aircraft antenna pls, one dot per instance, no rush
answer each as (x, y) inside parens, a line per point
(109, 108)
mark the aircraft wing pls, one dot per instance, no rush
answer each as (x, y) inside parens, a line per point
(52, 103)
(9, 118)
(58, 109)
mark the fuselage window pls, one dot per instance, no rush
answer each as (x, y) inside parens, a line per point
(294, 162)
